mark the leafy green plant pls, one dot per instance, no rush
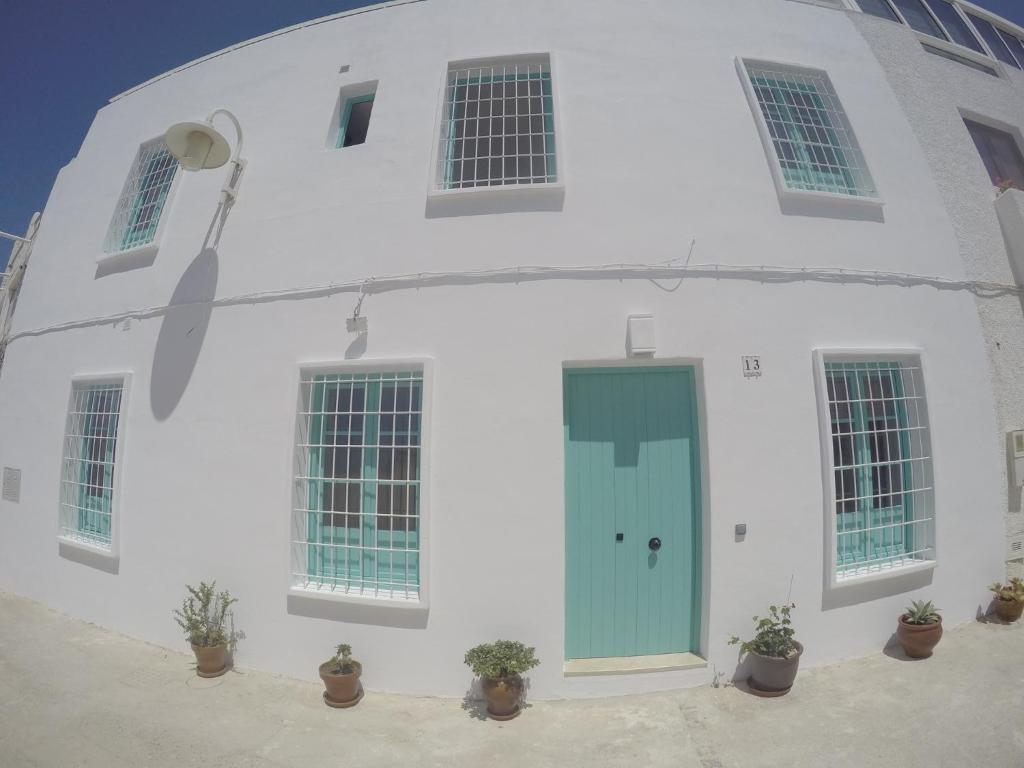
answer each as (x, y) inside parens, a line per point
(341, 662)
(921, 612)
(501, 659)
(204, 615)
(773, 634)
(1012, 590)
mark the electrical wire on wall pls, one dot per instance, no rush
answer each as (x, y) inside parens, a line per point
(530, 273)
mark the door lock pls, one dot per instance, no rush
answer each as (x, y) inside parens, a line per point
(654, 544)
(619, 537)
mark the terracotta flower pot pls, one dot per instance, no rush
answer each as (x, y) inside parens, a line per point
(211, 660)
(1008, 610)
(343, 689)
(503, 695)
(918, 640)
(772, 676)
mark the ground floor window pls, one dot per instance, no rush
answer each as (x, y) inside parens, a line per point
(356, 525)
(90, 454)
(881, 465)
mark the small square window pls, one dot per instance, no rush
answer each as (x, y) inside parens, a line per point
(999, 152)
(355, 120)
(137, 216)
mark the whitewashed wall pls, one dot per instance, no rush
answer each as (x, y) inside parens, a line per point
(659, 147)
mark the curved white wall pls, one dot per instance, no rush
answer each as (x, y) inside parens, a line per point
(659, 147)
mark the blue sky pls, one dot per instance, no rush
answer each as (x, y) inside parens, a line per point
(60, 60)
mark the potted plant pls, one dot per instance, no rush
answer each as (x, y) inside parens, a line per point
(341, 674)
(500, 666)
(774, 654)
(204, 617)
(920, 629)
(1009, 599)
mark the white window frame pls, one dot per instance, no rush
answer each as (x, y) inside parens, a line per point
(140, 251)
(435, 186)
(782, 188)
(425, 366)
(113, 552)
(824, 355)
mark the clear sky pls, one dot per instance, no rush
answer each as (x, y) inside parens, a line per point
(61, 60)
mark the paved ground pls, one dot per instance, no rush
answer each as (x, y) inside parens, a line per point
(72, 694)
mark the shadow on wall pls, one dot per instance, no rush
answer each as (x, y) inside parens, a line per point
(182, 333)
(357, 613)
(874, 590)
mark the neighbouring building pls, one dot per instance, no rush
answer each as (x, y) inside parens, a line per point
(597, 325)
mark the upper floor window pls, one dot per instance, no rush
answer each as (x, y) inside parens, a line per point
(355, 120)
(1000, 153)
(999, 42)
(498, 126)
(811, 137)
(90, 457)
(142, 201)
(881, 464)
(356, 525)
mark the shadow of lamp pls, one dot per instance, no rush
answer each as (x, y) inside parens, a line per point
(199, 145)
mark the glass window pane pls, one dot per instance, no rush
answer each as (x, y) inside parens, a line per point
(918, 18)
(1013, 44)
(994, 41)
(358, 121)
(878, 8)
(999, 152)
(955, 25)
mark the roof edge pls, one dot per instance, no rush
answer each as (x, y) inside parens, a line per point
(260, 39)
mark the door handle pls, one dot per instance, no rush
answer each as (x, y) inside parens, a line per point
(654, 544)
(619, 537)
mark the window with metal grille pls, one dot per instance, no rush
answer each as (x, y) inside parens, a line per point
(812, 139)
(356, 524)
(90, 455)
(999, 152)
(499, 126)
(138, 211)
(881, 464)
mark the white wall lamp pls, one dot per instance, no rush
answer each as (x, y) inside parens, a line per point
(198, 145)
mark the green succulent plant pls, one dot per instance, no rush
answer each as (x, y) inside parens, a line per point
(773, 634)
(1012, 590)
(341, 662)
(205, 616)
(921, 612)
(501, 659)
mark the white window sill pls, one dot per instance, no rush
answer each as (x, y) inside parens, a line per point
(355, 598)
(138, 253)
(831, 198)
(87, 546)
(555, 188)
(882, 572)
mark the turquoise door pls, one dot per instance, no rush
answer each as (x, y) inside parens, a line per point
(632, 505)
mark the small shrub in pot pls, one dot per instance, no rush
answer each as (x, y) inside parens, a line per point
(1009, 599)
(500, 666)
(920, 629)
(774, 654)
(205, 617)
(341, 674)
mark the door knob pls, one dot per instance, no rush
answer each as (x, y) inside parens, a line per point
(654, 544)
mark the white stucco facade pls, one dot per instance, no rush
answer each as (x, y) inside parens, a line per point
(660, 160)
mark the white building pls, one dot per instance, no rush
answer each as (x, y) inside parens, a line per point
(715, 267)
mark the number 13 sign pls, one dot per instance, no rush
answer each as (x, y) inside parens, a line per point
(751, 366)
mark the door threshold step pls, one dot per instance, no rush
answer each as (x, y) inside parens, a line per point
(628, 665)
